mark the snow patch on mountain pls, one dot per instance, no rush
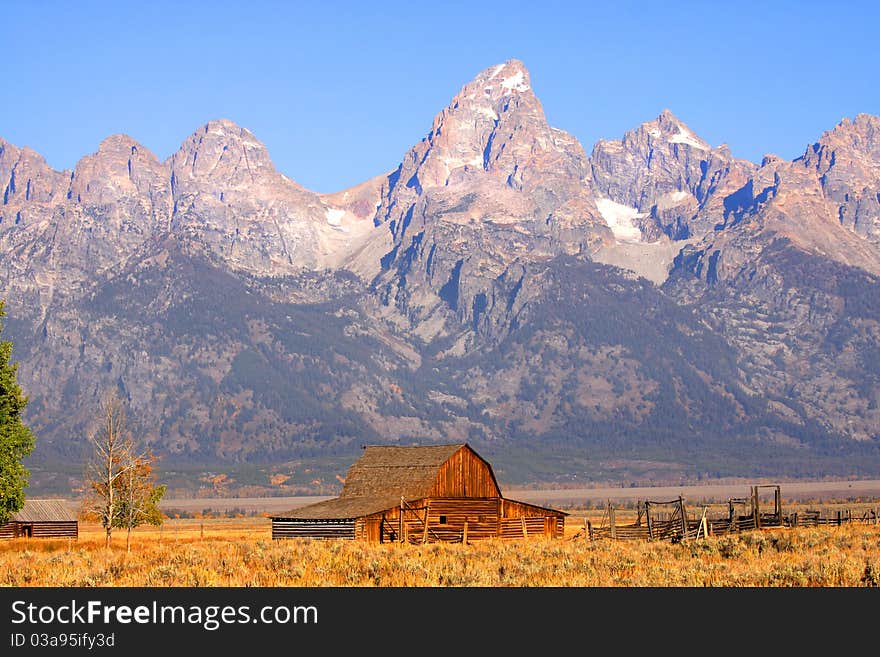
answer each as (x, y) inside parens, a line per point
(515, 82)
(619, 218)
(334, 216)
(685, 136)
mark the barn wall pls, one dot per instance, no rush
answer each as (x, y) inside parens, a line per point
(538, 520)
(483, 516)
(47, 529)
(465, 475)
(298, 528)
(59, 529)
(368, 529)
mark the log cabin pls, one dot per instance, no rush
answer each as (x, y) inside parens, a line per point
(419, 494)
(41, 519)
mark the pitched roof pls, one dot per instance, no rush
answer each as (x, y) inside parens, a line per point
(341, 508)
(388, 470)
(44, 511)
(379, 478)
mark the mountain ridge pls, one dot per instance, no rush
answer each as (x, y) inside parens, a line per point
(575, 315)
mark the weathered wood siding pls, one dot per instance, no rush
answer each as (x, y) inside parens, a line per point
(453, 520)
(368, 529)
(465, 474)
(481, 516)
(538, 520)
(47, 529)
(296, 528)
(58, 529)
(532, 527)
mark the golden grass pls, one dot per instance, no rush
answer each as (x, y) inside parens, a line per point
(240, 552)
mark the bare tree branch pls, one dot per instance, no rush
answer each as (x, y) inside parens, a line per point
(113, 455)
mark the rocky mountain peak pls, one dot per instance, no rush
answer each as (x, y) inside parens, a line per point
(26, 178)
(491, 183)
(659, 175)
(120, 168)
(222, 153)
(847, 161)
(491, 92)
(474, 133)
(854, 139)
(119, 143)
(669, 129)
(862, 132)
(230, 203)
(494, 129)
(770, 158)
(499, 81)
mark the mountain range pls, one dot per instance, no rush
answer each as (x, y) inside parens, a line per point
(655, 310)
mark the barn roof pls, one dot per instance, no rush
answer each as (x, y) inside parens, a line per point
(379, 478)
(343, 508)
(389, 470)
(44, 511)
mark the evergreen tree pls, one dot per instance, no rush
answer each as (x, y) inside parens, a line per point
(16, 439)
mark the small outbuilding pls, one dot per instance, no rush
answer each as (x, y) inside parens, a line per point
(420, 494)
(42, 519)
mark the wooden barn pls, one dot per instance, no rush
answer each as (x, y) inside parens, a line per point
(419, 494)
(42, 519)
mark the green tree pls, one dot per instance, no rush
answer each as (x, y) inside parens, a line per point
(16, 439)
(138, 496)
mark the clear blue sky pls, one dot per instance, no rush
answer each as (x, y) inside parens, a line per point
(338, 91)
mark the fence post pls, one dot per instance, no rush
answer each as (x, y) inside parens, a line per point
(684, 520)
(612, 521)
(756, 507)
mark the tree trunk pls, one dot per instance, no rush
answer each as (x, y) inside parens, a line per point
(109, 532)
(128, 540)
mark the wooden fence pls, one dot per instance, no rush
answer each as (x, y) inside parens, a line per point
(671, 521)
(815, 518)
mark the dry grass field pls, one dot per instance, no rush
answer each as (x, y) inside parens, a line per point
(239, 552)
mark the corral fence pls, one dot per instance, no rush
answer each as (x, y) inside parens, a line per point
(670, 520)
